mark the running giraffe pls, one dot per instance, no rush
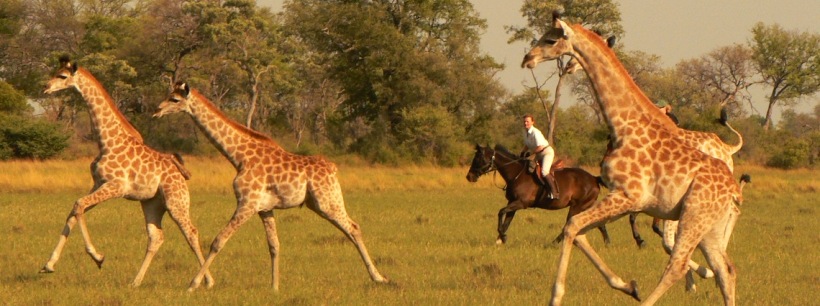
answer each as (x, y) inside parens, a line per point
(268, 178)
(125, 168)
(651, 169)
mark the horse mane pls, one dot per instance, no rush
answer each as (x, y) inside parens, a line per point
(503, 150)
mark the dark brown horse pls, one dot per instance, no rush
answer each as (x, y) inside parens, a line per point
(578, 189)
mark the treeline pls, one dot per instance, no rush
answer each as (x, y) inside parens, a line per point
(389, 81)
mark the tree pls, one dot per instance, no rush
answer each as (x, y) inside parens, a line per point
(719, 78)
(413, 56)
(601, 16)
(789, 62)
(22, 136)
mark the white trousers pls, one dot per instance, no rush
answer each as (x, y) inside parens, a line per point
(546, 157)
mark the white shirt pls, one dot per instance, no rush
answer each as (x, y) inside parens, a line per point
(533, 139)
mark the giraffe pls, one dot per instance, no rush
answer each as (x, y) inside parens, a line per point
(708, 143)
(651, 169)
(268, 178)
(125, 168)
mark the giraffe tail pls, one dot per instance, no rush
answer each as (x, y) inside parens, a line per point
(724, 121)
(180, 164)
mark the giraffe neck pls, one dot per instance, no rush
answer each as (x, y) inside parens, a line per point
(624, 105)
(235, 141)
(108, 123)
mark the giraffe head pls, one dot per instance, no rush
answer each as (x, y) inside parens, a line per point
(176, 102)
(555, 43)
(65, 76)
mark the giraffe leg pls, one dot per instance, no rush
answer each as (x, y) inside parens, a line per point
(613, 205)
(177, 203)
(154, 210)
(670, 229)
(718, 259)
(273, 245)
(104, 192)
(243, 212)
(328, 203)
(695, 222)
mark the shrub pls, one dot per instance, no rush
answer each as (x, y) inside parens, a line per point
(26, 138)
(794, 154)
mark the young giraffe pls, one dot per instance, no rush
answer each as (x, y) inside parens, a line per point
(125, 168)
(651, 169)
(268, 178)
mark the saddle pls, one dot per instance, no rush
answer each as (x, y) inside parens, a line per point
(534, 167)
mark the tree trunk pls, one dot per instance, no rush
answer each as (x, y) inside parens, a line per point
(254, 98)
(553, 112)
(768, 121)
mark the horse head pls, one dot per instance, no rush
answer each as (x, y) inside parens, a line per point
(482, 163)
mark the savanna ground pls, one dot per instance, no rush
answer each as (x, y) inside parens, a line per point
(429, 230)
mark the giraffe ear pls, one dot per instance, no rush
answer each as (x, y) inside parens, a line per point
(65, 62)
(185, 89)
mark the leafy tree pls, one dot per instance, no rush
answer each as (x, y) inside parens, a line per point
(789, 62)
(601, 16)
(414, 54)
(21, 136)
(12, 101)
(719, 78)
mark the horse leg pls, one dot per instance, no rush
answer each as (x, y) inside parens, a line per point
(633, 217)
(505, 216)
(656, 226)
(604, 233)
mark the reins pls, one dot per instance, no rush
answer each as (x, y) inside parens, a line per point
(492, 168)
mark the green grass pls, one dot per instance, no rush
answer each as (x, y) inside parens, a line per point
(429, 231)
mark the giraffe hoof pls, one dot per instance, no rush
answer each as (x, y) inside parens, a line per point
(46, 269)
(100, 261)
(634, 293)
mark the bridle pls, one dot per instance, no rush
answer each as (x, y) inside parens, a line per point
(492, 168)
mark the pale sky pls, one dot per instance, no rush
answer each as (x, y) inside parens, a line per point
(673, 30)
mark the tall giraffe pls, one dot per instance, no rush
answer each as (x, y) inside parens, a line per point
(651, 169)
(268, 178)
(708, 143)
(125, 168)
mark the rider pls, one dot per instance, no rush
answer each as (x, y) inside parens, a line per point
(537, 144)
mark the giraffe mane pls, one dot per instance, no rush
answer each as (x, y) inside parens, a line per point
(210, 105)
(620, 71)
(110, 101)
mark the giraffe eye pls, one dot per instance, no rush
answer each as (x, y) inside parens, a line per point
(550, 41)
(62, 77)
(175, 100)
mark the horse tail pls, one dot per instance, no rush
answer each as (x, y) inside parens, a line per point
(600, 181)
(180, 164)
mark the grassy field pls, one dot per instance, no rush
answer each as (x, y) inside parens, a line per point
(429, 230)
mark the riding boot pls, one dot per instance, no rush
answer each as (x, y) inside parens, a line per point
(553, 186)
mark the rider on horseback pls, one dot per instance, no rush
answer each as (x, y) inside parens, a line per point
(537, 144)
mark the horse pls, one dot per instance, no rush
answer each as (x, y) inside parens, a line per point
(578, 189)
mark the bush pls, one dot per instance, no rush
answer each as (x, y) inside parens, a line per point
(794, 154)
(26, 138)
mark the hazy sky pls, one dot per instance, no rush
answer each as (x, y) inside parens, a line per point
(673, 30)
